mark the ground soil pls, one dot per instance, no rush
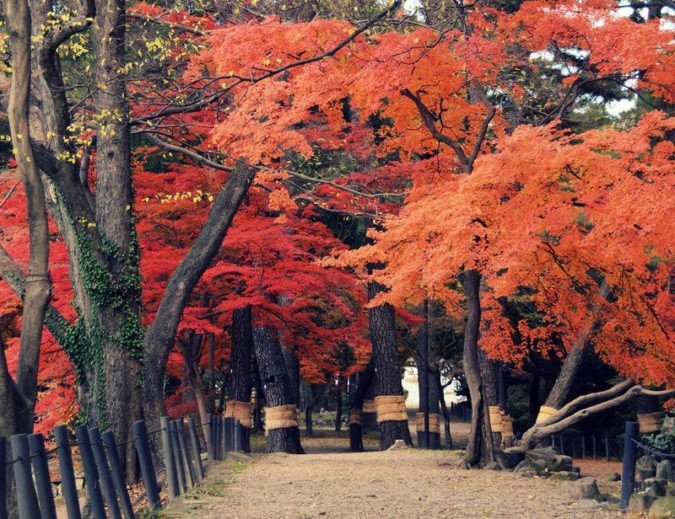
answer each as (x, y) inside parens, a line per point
(409, 483)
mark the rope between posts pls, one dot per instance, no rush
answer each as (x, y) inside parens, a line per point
(652, 450)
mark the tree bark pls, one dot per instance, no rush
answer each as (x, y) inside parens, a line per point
(444, 409)
(241, 363)
(561, 388)
(274, 378)
(480, 448)
(338, 404)
(387, 367)
(366, 380)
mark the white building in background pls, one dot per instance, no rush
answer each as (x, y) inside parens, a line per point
(412, 389)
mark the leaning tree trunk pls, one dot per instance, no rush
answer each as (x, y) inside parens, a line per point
(241, 366)
(563, 384)
(356, 406)
(387, 371)
(284, 437)
(480, 448)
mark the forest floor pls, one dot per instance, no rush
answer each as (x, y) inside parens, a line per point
(330, 482)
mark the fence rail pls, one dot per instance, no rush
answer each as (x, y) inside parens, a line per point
(103, 478)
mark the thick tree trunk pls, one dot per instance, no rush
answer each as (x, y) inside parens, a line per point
(241, 363)
(387, 367)
(274, 378)
(366, 381)
(293, 368)
(480, 448)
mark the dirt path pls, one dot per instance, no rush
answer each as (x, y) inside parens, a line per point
(399, 484)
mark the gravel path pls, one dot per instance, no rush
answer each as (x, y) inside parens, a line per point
(399, 484)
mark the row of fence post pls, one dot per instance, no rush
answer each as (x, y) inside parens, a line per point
(105, 485)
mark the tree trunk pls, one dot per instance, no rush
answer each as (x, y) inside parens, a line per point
(160, 336)
(444, 409)
(241, 363)
(316, 391)
(338, 404)
(561, 389)
(489, 374)
(427, 373)
(37, 287)
(356, 429)
(480, 448)
(387, 368)
(274, 378)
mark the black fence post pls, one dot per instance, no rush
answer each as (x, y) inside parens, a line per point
(238, 437)
(147, 467)
(91, 480)
(43, 483)
(186, 454)
(107, 487)
(117, 474)
(209, 436)
(169, 463)
(595, 451)
(229, 434)
(629, 460)
(25, 491)
(219, 438)
(68, 487)
(3, 477)
(178, 457)
(606, 448)
(196, 451)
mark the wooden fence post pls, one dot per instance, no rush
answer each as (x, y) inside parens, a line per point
(3, 477)
(238, 432)
(169, 463)
(113, 456)
(43, 483)
(68, 487)
(107, 487)
(90, 473)
(147, 467)
(629, 460)
(25, 491)
(196, 451)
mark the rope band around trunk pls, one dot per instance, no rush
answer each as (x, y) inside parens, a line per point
(434, 423)
(281, 417)
(545, 412)
(240, 411)
(368, 406)
(390, 408)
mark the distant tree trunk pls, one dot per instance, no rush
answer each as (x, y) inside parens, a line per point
(427, 373)
(191, 349)
(316, 391)
(444, 409)
(366, 381)
(535, 386)
(241, 363)
(293, 368)
(387, 368)
(274, 378)
(338, 404)
(489, 374)
(480, 448)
